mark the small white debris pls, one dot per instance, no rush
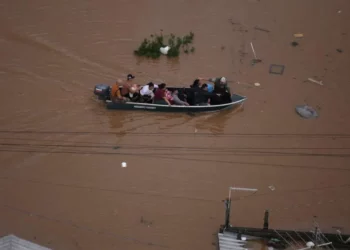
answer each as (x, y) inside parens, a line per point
(272, 188)
(195, 130)
(164, 50)
(257, 84)
(310, 244)
(315, 81)
(124, 165)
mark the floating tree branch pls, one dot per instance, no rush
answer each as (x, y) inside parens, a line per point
(150, 48)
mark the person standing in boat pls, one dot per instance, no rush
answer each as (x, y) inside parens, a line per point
(162, 95)
(130, 77)
(128, 85)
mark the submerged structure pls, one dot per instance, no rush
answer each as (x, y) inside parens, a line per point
(244, 238)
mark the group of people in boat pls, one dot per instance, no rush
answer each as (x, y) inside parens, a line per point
(202, 92)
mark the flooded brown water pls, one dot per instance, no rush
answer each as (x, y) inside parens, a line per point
(61, 183)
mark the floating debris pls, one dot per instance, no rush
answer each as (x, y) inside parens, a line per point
(257, 84)
(315, 81)
(306, 112)
(340, 50)
(298, 35)
(145, 222)
(164, 50)
(294, 44)
(255, 60)
(261, 29)
(272, 188)
(124, 165)
(276, 69)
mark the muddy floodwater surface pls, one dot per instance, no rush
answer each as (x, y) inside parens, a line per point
(61, 180)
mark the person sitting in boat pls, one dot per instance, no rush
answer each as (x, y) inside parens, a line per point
(192, 90)
(221, 88)
(200, 81)
(196, 86)
(115, 94)
(177, 100)
(162, 95)
(220, 84)
(147, 92)
(133, 95)
(204, 98)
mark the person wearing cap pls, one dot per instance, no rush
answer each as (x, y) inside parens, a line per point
(129, 88)
(220, 84)
(130, 77)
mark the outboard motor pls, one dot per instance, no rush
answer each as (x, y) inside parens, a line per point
(102, 91)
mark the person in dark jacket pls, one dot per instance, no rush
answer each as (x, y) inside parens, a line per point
(203, 97)
(190, 93)
(220, 84)
(221, 88)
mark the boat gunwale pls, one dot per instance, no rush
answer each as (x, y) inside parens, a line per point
(180, 106)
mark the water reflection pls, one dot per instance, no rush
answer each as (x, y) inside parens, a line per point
(126, 122)
(216, 122)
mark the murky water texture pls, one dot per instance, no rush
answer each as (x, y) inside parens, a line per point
(61, 180)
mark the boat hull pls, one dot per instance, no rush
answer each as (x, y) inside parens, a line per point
(237, 101)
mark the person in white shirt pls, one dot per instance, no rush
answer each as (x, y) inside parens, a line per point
(147, 93)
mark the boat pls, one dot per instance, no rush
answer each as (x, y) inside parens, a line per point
(102, 92)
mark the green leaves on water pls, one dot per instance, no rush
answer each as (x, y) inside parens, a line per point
(150, 47)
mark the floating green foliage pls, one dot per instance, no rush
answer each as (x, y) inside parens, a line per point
(150, 48)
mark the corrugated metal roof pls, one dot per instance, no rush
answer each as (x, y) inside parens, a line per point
(227, 241)
(12, 242)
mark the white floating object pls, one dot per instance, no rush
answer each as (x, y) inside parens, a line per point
(310, 244)
(124, 165)
(257, 84)
(164, 50)
(272, 188)
(251, 45)
(315, 81)
(244, 238)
